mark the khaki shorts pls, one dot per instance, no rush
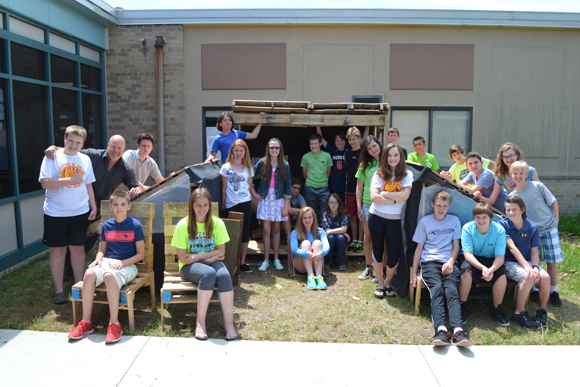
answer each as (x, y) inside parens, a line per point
(122, 276)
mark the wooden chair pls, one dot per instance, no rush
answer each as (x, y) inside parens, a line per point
(145, 276)
(415, 293)
(175, 290)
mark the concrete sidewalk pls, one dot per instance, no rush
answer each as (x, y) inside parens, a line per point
(30, 358)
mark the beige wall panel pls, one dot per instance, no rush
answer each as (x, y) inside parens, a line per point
(431, 67)
(32, 219)
(334, 72)
(527, 100)
(8, 238)
(245, 66)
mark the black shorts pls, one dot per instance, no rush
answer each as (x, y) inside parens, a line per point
(66, 230)
(476, 273)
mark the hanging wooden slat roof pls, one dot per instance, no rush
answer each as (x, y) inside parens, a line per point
(305, 113)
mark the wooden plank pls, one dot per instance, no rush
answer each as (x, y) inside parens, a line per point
(175, 210)
(138, 210)
(178, 287)
(336, 120)
(170, 250)
(346, 111)
(171, 266)
(306, 120)
(169, 229)
(251, 109)
(294, 104)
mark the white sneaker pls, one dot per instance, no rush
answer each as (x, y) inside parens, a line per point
(367, 273)
(278, 264)
(264, 266)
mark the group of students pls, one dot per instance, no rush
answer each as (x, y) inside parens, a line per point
(377, 183)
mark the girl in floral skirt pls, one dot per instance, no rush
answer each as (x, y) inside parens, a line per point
(273, 198)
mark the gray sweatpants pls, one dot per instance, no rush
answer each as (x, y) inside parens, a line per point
(207, 276)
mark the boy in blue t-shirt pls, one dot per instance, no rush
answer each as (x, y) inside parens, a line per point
(121, 246)
(483, 243)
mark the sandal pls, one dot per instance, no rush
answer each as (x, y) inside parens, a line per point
(231, 338)
(201, 336)
(381, 293)
(390, 290)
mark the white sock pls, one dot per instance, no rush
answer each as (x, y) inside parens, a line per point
(517, 313)
(442, 328)
(553, 289)
(457, 330)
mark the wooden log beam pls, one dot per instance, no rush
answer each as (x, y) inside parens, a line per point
(305, 120)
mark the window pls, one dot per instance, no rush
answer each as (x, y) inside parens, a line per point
(31, 127)
(92, 120)
(5, 170)
(62, 71)
(90, 78)
(441, 128)
(64, 112)
(27, 62)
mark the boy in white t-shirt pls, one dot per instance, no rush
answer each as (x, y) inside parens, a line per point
(437, 237)
(69, 205)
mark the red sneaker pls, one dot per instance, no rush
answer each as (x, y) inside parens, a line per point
(84, 328)
(114, 333)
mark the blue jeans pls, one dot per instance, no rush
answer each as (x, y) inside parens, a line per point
(316, 198)
(338, 241)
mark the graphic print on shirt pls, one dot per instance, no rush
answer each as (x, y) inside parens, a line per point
(338, 161)
(120, 236)
(234, 179)
(463, 174)
(391, 186)
(69, 170)
(201, 244)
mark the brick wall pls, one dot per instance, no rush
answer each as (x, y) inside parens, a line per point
(132, 88)
(567, 191)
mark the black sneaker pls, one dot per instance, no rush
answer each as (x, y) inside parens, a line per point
(524, 320)
(542, 317)
(555, 299)
(464, 306)
(499, 316)
(460, 339)
(535, 297)
(245, 268)
(441, 339)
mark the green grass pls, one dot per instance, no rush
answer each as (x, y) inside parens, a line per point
(345, 313)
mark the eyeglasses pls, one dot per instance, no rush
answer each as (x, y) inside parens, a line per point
(296, 188)
(509, 157)
(275, 147)
(333, 203)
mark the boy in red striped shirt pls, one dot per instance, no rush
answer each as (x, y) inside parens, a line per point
(121, 246)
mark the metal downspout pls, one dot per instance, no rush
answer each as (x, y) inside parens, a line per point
(159, 43)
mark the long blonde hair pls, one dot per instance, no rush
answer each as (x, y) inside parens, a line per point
(246, 161)
(200, 193)
(267, 166)
(300, 231)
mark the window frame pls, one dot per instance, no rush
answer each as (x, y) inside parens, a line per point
(431, 110)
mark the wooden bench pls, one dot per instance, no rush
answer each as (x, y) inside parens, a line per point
(145, 276)
(175, 290)
(415, 293)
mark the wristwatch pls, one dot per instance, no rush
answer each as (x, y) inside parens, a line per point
(535, 267)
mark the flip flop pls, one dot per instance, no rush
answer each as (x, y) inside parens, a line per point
(390, 290)
(230, 338)
(202, 338)
(381, 294)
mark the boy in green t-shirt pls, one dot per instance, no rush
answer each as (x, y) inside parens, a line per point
(422, 157)
(316, 166)
(459, 171)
